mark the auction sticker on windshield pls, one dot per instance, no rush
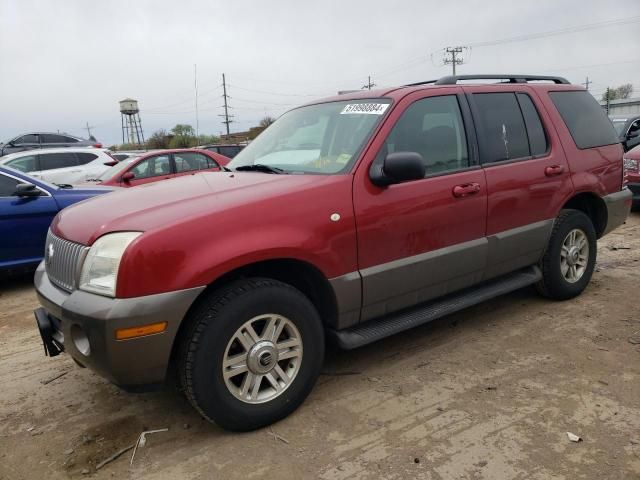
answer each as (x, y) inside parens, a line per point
(365, 108)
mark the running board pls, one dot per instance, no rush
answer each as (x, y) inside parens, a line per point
(397, 322)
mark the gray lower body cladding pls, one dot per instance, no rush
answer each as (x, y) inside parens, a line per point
(410, 281)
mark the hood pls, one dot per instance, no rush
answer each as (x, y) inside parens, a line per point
(170, 202)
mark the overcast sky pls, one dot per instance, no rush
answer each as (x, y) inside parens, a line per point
(67, 62)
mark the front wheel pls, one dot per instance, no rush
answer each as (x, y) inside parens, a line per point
(570, 258)
(253, 354)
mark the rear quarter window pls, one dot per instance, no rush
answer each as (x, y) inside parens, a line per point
(585, 118)
(85, 158)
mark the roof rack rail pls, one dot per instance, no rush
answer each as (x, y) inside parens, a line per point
(453, 79)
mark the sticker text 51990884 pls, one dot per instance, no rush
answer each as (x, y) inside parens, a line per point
(365, 108)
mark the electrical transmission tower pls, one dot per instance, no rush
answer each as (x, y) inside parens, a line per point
(456, 57)
(227, 118)
(368, 85)
(587, 82)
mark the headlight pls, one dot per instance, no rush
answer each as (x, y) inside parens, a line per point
(100, 268)
(630, 164)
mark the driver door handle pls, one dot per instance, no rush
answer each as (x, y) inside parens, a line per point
(465, 189)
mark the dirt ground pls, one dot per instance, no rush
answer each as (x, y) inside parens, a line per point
(489, 393)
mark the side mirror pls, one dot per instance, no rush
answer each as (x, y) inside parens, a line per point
(27, 190)
(398, 167)
(111, 163)
(126, 177)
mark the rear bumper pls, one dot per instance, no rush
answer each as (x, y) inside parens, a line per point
(84, 325)
(618, 206)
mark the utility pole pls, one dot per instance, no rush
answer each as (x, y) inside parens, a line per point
(226, 116)
(369, 84)
(88, 129)
(195, 85)
(608, 94)
(587, 82)
(454, 60)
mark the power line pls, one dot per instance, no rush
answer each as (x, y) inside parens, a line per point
(560, 31)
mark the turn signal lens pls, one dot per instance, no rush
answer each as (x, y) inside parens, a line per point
(142, 331)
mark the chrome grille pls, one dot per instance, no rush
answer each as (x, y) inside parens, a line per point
(62, 261)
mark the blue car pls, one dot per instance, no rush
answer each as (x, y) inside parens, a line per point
(27, 207)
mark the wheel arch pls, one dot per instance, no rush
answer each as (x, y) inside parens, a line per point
(591, 205)
(298, 273)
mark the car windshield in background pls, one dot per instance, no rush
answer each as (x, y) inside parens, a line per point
(619, 124)
(122, 165)
(324, 138)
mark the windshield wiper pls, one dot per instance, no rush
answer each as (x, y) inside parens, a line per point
(260, 167)
(63, 185)
(225, 169)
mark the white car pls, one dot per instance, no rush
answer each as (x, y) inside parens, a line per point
(61, 165)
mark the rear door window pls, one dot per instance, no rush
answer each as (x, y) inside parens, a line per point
(585, 118)
(502, 133)
(187, 162)
(52, 138)
(51, 161)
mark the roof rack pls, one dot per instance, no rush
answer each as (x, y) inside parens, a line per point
(453, 79)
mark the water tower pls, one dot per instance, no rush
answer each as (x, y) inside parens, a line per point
(131, 123)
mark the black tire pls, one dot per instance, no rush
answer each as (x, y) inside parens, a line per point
(553, 284)
(214, 322)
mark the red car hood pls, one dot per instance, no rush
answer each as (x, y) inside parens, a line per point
(154, 205)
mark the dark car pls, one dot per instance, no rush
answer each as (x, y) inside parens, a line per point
(628, 130)
(632, 174)
(228, 151)
(29, 141)
(27, 207)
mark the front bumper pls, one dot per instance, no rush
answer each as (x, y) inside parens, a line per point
(618, 206)
(84, 324)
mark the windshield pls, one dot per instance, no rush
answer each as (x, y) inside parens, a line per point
(324, 138)
(619, 124)
(111, 172)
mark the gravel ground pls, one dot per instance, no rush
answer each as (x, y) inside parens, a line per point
(488, 393)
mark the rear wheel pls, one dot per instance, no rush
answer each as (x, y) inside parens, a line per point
(253, 354)
(570, 258)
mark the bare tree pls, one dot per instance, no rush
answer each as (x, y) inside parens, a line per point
(623, 91)
(266, 121)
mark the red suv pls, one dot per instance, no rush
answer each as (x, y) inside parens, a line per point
(351, 219)
(161, 165)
